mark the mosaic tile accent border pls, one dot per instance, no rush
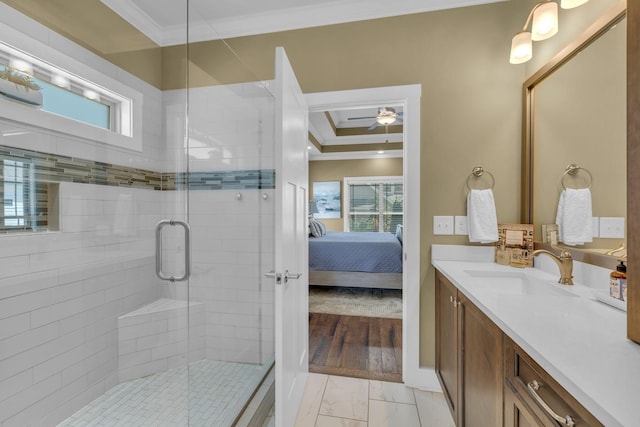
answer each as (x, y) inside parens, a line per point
(257, 179)
(56, 168)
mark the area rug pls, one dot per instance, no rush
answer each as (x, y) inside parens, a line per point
(366, 302)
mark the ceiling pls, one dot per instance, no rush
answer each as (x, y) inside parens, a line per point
(346, 134)
(163, 21)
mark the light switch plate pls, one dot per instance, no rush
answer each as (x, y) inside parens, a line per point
(612, 227)
(461, 225)
(442, 225)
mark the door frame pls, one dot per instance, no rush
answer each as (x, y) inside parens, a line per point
(409, 97)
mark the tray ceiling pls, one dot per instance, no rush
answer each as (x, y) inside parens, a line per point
(346, 134)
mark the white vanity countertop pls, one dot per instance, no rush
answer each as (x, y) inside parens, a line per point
(579, 341)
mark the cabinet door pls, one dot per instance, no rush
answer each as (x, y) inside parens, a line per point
(447, 342)
(482, 371)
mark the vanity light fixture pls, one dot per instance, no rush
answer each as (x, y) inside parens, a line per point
(544, 26)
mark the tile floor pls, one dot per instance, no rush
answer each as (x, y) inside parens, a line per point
(332, 401)
(217, 393)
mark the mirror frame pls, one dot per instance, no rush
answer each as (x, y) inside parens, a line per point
(633, 173)
(612, 17)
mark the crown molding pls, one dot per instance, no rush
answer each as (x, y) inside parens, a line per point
(325, 13)
(356, 155)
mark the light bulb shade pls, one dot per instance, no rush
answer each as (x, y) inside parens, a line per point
(570, 4)
(91, 94)
(521, 48)
(385, 120)
(61, 81)
(386, 116)
(22, 66)
(545, 21)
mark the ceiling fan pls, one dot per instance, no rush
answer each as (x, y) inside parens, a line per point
(386, 116)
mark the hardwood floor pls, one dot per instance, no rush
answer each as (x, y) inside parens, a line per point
(355, 346)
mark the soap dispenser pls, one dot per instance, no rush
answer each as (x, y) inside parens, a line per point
(618, 282)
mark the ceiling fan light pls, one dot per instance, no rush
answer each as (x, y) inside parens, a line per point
(385, 120)
(386, 116)
(570, 4)
(521, 48)
(545, 21)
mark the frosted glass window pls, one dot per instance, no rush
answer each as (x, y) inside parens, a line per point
(69, 104)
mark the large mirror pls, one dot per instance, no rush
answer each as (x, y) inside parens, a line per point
(575, 114)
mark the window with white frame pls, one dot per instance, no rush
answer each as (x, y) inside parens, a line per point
(77, 100)
(374, 203)
(63, 93)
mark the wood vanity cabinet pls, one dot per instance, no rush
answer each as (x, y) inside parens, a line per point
(469, 353)
(485, 376)
(522, 407)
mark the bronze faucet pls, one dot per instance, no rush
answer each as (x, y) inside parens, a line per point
(565, 264)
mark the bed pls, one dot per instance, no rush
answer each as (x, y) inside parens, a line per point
(359, 259)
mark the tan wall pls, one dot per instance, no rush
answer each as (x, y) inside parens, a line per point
(336, 170)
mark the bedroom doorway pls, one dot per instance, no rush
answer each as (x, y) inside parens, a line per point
(362, 321)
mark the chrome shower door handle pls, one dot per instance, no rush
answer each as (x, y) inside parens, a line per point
(187, 250)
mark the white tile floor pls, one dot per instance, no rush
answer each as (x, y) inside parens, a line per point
(331, 401)
(217, 393)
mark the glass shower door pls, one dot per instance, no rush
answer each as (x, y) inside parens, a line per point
(229, 178)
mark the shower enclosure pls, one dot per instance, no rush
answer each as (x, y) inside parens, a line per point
(132, 286)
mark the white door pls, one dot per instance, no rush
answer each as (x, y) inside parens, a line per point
(291, 235)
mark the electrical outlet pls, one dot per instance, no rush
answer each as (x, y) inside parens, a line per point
(442, 225)
(461, 225)
(596, 226)
(612, 227)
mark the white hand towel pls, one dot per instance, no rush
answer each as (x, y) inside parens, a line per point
(481, 214)
(574, 217)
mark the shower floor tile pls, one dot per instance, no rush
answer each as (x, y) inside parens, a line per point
(217, 392)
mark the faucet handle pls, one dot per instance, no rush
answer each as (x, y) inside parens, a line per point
(564, 253)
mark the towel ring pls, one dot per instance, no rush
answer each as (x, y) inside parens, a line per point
(477, 172)
(572, 170)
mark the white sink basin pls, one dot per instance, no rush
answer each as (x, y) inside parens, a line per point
(518, 283)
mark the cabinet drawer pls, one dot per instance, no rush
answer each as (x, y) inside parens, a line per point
(536, 389)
